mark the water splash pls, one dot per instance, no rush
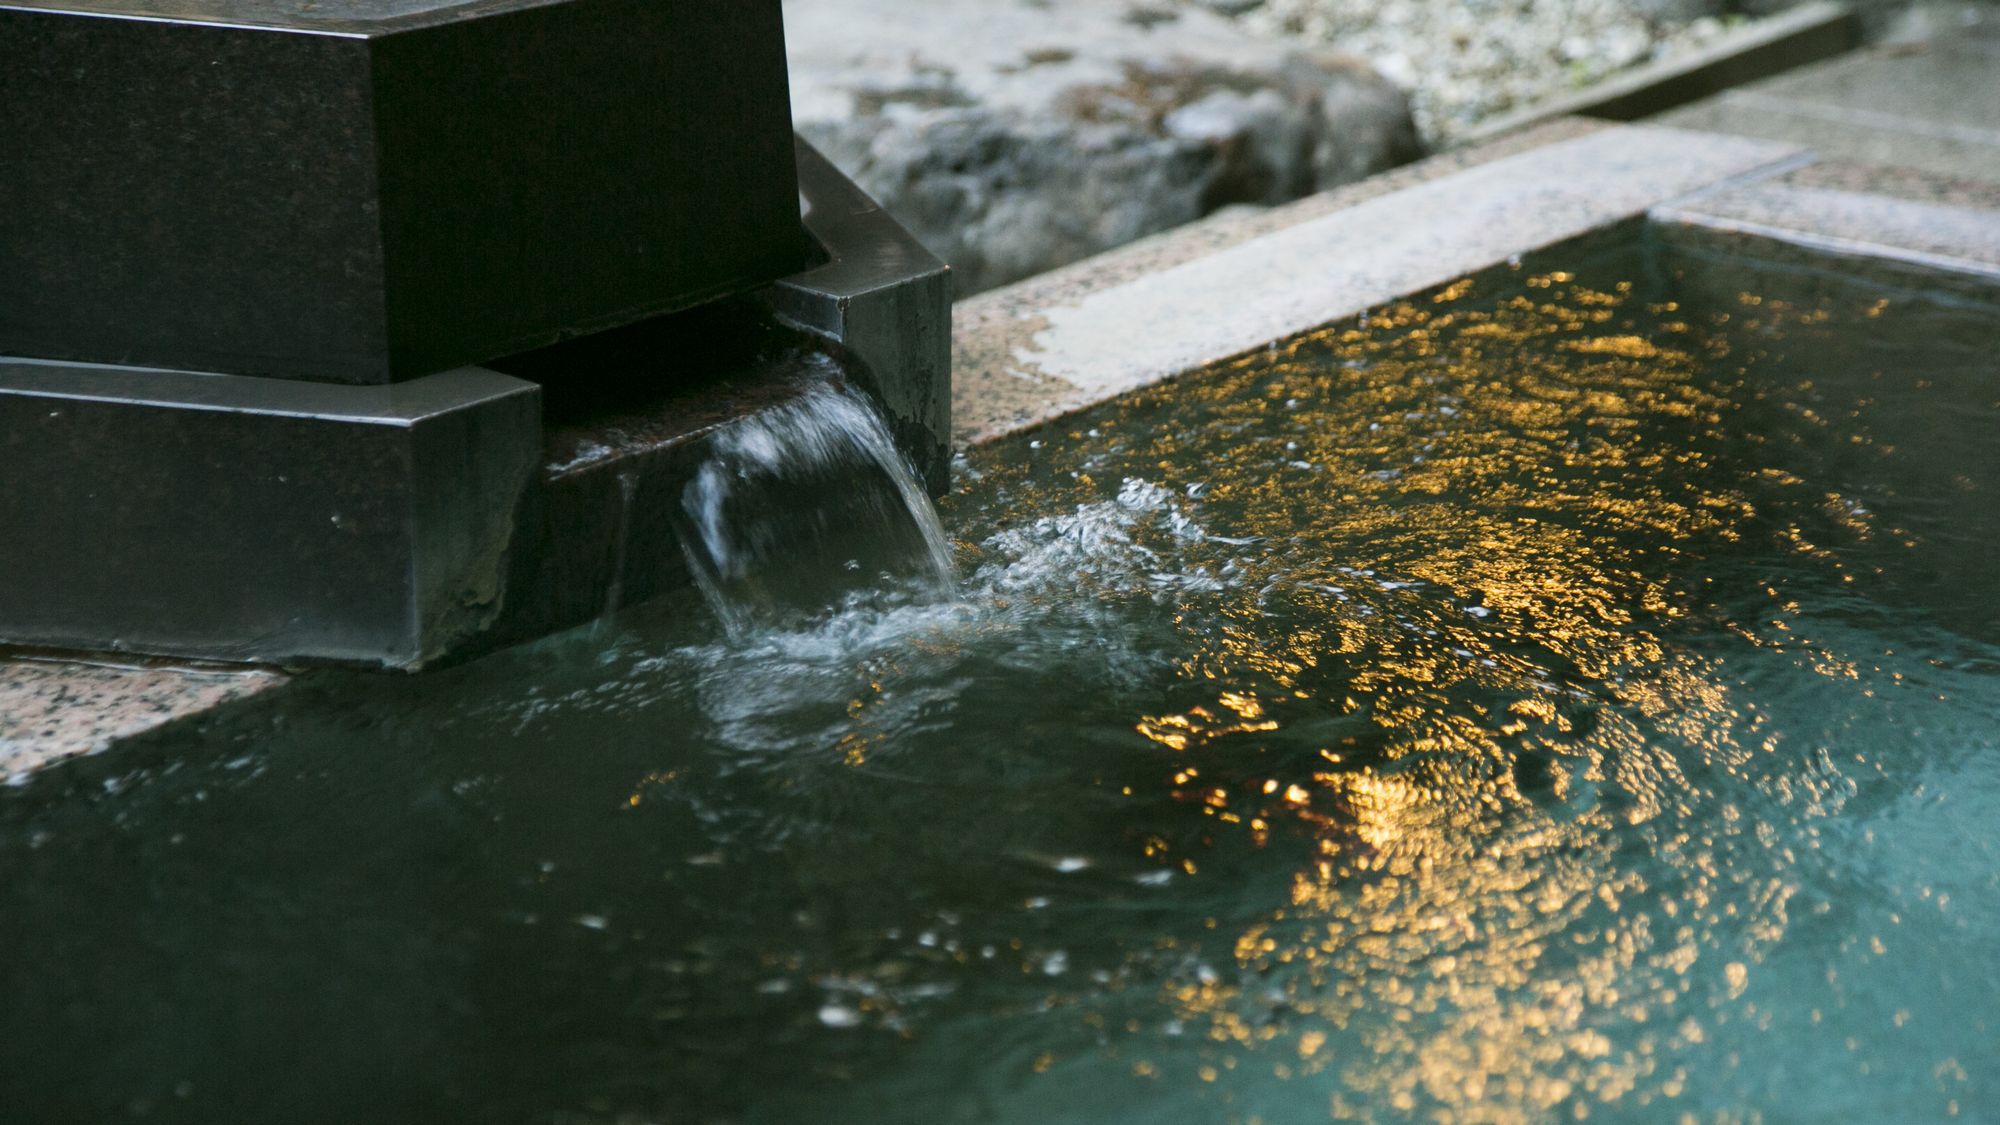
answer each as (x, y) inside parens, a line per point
(800, 504)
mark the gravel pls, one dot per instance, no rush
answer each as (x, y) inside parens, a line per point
(1463, 61)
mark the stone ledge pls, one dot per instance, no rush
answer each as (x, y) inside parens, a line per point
(54, 710)
(1022, 362)
(1927, 237)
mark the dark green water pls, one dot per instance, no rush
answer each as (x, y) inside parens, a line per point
(1520, 707)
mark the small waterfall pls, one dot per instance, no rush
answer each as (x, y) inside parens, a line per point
(804, 502)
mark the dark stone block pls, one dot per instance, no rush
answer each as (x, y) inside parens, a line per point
(247, 519)
(362, 191)
(235, 518)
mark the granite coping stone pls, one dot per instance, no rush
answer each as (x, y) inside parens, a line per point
(1090, 342)
(1844, 220)
(52, 710)
(990, 400)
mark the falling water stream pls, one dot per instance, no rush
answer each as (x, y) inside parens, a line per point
(802, 502)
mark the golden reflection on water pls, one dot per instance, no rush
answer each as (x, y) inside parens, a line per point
(1488, 506)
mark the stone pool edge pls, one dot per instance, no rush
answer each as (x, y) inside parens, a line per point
(54, 709)
(1052, 345)
(1031, 353)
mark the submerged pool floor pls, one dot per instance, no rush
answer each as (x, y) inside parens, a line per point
(1542, 700)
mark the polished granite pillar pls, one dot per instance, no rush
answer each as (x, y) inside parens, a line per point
(364, 191)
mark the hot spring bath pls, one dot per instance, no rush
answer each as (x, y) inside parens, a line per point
(1555, 695)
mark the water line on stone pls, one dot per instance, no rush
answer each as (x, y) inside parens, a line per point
(803, 503)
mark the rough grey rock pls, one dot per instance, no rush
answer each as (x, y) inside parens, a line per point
(1013, 136)
(1466, 61)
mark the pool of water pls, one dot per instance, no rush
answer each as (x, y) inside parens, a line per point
(1539, 700)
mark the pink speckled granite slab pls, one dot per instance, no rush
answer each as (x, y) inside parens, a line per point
(51, 710)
